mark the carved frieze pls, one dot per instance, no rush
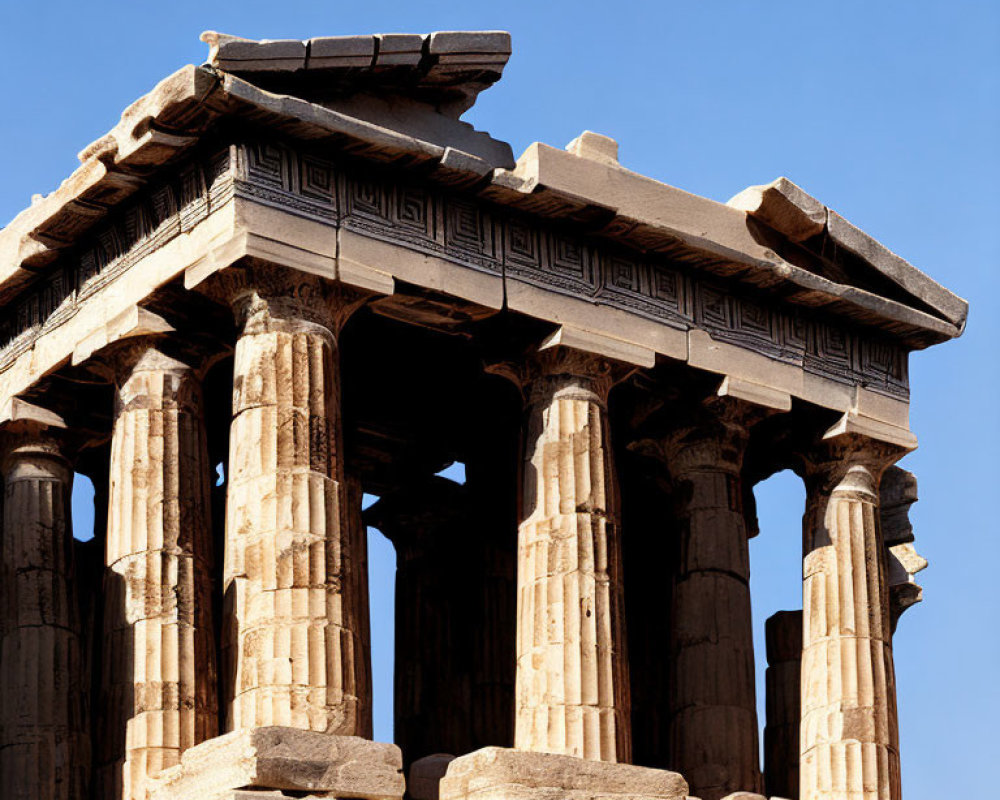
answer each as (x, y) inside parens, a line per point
(475, 234)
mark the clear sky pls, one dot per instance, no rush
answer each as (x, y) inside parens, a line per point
(888, 112)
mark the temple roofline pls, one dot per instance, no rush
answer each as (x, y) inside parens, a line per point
(746, 240)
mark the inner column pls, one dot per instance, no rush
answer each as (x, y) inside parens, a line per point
(572, 678)
(713, 714)
(296, 645)
(44, 741)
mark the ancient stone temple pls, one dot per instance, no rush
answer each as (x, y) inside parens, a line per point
(294, 275)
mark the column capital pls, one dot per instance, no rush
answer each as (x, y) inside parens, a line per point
(267, 297)
(847, 461)
(555, 369)
(27, 430)
(406, 514)
(710, 431)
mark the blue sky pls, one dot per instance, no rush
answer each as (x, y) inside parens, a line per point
(888, 112)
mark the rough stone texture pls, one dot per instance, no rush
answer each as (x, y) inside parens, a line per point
(781, 734)
(44, 735)
(293, 560)
(849, 746)
(572, 677)
(785, 207)
(713, 714)
(897, 492)
(159, 660)
(496, 773)
(288, 759)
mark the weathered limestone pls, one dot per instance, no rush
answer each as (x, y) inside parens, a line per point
(849, 735)
(781, 734)
(293, 559)
(44, 733)
(288, 759)
(496, 773)
(281, 185)
(159, 659)
(572, 677)
(713, 715)
(897, 492)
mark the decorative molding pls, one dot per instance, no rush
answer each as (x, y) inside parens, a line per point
(144, 224)
(462, 229)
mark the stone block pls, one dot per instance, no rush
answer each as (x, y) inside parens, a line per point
(333, 52)
(288, 759)
(594, 146)
(399, 50)
(463, 42)
(279, 55)
(785, 207)
(744, 796)
(423, 782)
(496, 773)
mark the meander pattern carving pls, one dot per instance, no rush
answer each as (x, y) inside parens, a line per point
(443, 223)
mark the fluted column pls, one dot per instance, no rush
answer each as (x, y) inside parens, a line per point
(44, 738)
(296, 641)
(713, 712)
(572, 694)
(781, 734)
(159, 655)
(849, 736)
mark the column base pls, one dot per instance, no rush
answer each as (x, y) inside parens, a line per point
(498, 773)
(265, 763)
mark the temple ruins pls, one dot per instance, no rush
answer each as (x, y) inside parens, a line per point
(298, 262)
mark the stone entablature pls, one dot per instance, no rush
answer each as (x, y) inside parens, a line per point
(517, 259)
(298, 261)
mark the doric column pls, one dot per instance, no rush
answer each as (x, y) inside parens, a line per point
(446, 620)
(781, 734)
(572, 692)
(159, 655)
(436, 624)
(44, 738)
(297, 614)
(713, 711)
(849, 737)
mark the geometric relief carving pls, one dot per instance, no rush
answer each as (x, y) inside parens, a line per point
(144, 223)
(755, 320)
(521, 245)
(882, 365)
(266, 164)
(830, 345)
(460, 228)
(368, 199)
(413, 210)
(316, 180)
(302, 183)
(463, 226)
(571, 262)
(713, 307)
(624, 274)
